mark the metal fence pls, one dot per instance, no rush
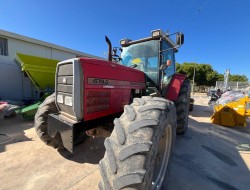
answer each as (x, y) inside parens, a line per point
(236, 86)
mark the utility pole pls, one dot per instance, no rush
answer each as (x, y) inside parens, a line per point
(193, 79)
(226, 77)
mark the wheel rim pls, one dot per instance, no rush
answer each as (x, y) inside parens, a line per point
(162, 158)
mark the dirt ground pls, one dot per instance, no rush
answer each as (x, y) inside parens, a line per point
(206, 157)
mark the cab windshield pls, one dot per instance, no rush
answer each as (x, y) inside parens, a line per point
(143, 56)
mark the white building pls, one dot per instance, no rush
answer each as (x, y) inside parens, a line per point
(14, 83)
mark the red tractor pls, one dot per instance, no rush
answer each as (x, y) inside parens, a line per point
(91, 93)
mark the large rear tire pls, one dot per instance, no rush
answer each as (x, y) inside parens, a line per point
(139, 150)
(182, 107)
(41, 122)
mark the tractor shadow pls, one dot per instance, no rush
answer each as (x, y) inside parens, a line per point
(91, 150)
(202, 111)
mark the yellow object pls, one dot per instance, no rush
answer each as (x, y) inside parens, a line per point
(136, 61)
(41, 71)
(232, 113)
(247, 107)
(227, 116)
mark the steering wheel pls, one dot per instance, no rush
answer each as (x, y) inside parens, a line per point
(138, 66)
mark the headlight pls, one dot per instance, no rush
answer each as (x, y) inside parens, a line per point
(68, 101)
(156, 33)
(125, 41)
(60, 98)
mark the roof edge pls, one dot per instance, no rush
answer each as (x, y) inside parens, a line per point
(40, 42)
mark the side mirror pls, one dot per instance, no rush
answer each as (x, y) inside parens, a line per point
(179, 39)
(169, 62)
(164, 66)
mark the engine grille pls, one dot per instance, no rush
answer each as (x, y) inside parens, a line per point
(65, 78)
(65, 82)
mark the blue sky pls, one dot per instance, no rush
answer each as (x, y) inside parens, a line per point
(217, 32)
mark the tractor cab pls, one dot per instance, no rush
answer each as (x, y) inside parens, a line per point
(155, 56)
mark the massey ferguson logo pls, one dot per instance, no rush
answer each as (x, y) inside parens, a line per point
(97, 81)
(109, 83)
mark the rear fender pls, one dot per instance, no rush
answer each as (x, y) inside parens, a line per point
(175, 86)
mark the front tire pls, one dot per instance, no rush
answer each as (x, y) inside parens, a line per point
(139, 150)
(41, 122)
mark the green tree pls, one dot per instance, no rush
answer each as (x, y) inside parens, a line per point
(185, 68)
(239, 78)
(220, 77)
(212, 77)
(205, 74)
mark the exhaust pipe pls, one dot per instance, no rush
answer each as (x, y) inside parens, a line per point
(110, 48)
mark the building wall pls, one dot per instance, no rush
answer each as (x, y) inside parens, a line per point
(61, 55)
(11, 80)
(15, 45)
(13, 83)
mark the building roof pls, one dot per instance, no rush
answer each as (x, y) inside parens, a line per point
(39, 42)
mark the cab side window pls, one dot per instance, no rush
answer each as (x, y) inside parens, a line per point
(168, 55)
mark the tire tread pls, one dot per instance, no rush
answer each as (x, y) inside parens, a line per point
(130, 149)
